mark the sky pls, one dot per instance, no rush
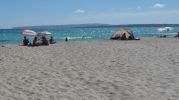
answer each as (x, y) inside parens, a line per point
(15, 13)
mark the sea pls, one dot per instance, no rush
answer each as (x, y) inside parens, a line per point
(13, 36)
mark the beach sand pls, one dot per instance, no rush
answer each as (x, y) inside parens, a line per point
(91, 70)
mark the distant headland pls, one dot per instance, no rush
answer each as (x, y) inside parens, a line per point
(93, 26)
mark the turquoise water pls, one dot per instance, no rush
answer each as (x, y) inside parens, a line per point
(13, 36)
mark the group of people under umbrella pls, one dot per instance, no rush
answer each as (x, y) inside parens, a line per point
(41, 36)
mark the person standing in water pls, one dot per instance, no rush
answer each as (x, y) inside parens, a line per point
(66, 39)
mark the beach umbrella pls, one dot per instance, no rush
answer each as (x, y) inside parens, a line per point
(45, 33)
(29, 33)
(122, 34)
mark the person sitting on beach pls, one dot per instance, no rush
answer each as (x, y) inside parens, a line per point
(177, 36)
(35, 41)
(25, 41)
(52, 40)
(44, 41)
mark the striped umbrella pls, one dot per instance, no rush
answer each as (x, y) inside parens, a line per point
(29, 33)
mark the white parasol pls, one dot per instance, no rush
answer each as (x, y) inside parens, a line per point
(45, 33)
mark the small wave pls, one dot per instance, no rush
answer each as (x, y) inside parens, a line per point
(4, 40)
(172, 33)
(73, 38)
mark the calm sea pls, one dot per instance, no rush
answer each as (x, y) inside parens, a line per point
(13, 36)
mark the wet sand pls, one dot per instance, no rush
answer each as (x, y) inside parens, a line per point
(97, 70)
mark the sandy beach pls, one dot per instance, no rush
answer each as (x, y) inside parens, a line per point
(91, 70)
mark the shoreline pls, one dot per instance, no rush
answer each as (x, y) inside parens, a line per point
(71, 41)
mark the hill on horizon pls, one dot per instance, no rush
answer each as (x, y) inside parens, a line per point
(93, 26)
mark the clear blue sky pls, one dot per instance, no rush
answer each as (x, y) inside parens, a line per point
(56, 12)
